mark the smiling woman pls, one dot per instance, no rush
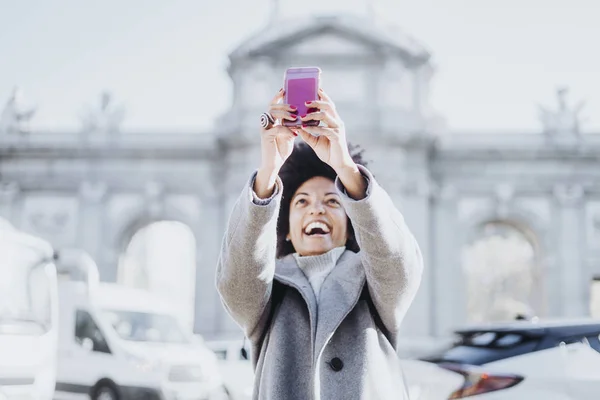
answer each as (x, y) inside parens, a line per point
(317, 265)
(309, 196)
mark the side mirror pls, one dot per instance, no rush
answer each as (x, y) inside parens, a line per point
(87, 344)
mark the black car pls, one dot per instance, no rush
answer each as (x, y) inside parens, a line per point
(479, 345)
(483, 344)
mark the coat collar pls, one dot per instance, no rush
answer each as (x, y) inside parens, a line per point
(339, 294)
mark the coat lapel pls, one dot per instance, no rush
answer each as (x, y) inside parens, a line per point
(288, 273)
(339, 294)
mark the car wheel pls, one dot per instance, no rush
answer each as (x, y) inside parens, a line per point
(105, 393)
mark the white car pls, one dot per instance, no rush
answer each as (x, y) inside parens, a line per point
(28, 316)
(424, 380)
(235, 367)
(549, 360)
(118, 343)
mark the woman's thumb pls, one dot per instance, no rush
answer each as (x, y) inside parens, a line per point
(308, 138)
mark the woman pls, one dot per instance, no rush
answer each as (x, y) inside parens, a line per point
(318, 266)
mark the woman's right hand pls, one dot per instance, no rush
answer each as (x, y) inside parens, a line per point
(277, 143)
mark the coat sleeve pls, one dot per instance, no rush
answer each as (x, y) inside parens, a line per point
(246, 264)
(389, 252)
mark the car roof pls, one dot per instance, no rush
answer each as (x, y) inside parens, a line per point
(535, 327)
(119, 297)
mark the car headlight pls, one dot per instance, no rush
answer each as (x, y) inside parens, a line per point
(143, 364)
(187, 373)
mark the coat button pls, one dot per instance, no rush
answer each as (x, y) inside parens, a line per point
(336, 364)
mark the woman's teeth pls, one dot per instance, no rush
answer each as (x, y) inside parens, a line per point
(316, 228)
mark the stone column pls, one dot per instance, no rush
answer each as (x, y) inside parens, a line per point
(91, 226)
(414, 202)
(575, 279)
(8, 193)
(208, 314)
(448, 290)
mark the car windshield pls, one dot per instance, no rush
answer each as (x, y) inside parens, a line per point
(145, 327)
(477, 348)
(25, 290)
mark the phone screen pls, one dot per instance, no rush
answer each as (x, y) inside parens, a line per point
(299, 91)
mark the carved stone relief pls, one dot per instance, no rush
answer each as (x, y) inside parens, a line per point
(569, 194)
(51, 217)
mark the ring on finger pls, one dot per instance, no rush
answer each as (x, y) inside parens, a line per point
(266, 121)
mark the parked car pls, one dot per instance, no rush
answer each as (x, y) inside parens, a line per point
(28, 316)
(424, 380)
(235, 366)
(119, 343)
(526, 359)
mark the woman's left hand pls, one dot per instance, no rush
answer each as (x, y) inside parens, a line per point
(329, 141)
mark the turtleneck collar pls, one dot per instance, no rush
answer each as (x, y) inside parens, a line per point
(320, 261)
(316, 268)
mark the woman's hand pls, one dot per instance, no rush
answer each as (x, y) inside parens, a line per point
(330, 144)
(329, 141)
(277, 143)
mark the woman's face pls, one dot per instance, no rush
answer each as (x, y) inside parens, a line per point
(318, 222)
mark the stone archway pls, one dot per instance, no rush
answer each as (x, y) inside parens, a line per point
(500, 266)
(160, 256)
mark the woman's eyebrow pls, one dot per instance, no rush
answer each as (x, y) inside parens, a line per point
(300, 194)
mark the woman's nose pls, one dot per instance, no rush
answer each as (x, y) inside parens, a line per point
(317, 208)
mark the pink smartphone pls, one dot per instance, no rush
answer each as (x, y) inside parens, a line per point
(301, 85)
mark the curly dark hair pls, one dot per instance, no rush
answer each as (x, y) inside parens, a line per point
(304, 164)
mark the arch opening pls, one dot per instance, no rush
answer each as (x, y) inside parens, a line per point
(500, 268)
(161, 257)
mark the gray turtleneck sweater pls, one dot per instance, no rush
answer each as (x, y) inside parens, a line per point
(316, 268)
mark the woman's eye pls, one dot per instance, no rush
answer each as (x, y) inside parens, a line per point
(301, 201)
(333, 201)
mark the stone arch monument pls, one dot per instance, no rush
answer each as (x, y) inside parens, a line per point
(90, 191)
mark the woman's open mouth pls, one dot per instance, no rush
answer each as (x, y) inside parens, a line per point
(317, 229)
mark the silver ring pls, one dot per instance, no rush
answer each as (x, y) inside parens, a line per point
(266, 121)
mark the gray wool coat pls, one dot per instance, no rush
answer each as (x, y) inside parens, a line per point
(344, 346)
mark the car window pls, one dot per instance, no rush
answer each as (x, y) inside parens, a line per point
(477, 348)
(86, 328)
(221, 354)
(594, 342)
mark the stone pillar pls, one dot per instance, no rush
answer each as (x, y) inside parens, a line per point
(8, 193)
(91, 226)
(416, 211)
(228, 178)
(208, 308)
(575, 279)
(448, 289)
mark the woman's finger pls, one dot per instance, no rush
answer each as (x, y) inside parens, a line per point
(281, 114)
(326, 118)
(285, 133)
(324, 97)
(278, 131)
(321, 131)
(308, 138)
(321, 105)
(278, 97)
(282, 106)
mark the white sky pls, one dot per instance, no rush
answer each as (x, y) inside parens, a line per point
(165, 59)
